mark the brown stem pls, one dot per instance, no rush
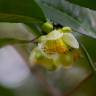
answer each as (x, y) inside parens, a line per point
(31, 41)
(53, 91)
(79, 85)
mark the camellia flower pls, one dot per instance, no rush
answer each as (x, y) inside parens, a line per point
(53, 49)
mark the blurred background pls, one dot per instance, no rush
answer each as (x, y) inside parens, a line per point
(17, 78)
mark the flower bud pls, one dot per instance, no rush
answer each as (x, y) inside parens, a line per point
(47, 27)
(66, 29)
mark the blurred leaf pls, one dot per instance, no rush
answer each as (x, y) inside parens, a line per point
(85, 3)
(6, 92)
(17, 31)
(88, 45)
(5, 41)
(87, 88)
(36, 29)
(59, 12)
(25, 11)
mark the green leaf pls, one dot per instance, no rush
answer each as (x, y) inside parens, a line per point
(5, 41)
(86, 88)
(6, 92)
(36, 29)
(88, 45)
(85, 3)
(25, 11)
(59, 13)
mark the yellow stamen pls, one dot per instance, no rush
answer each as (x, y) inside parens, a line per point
(55, 46)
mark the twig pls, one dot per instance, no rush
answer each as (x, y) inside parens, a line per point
(53, 91)
(31, 41)
(79, 85)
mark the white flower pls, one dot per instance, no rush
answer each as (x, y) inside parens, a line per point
(53, 49)
(57, 42)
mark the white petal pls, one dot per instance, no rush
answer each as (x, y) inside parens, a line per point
(42, 38)
(55, 34)
(70, 40)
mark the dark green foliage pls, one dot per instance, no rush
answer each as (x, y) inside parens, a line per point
(85, 3)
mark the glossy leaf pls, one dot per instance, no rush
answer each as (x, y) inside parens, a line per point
(25, 11)
(61, 12)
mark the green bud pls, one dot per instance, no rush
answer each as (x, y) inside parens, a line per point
(47, 27)
(38, 55)
(66, 29)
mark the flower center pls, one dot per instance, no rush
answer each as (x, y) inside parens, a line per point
(55, 46)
